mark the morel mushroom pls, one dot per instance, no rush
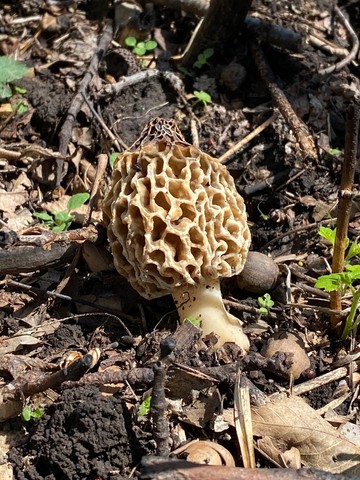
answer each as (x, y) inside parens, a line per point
(176, 224)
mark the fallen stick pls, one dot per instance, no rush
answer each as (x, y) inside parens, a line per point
(155, 468)
(299, 128)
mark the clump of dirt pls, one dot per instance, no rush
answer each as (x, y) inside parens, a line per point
(82, 436)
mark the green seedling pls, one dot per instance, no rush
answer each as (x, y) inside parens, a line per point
(60, 221)
(335, 152)
(112, 159)
(10, 70)
(144, 407)
(202, 97)
(265, 303)
(344, 281)
(195, 321)
(140, 48)
(20, 107)
(203, 57)
(262, 214)
(29, 413)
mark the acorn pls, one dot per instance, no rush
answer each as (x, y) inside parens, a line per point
(259, 275)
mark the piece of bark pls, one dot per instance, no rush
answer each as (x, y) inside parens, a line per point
(42, 249)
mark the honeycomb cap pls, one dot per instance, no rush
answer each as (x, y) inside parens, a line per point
(173, 214)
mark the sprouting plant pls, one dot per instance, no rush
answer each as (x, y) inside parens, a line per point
(29, 413)
(202, 97)
(195, 321)
(10, 70)
(112, 159)
(335, 152)
(144, 407)
(263, 215)
(203, 57)
(60, 221)
(265, 303)
(344, 281)
(140, 48)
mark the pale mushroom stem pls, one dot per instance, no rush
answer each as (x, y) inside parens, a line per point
(204, 301)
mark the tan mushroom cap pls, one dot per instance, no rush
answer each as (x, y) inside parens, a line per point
(173, 215)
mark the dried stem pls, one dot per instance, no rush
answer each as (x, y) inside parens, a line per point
(299, 128)
(345, 200)
(158, 409)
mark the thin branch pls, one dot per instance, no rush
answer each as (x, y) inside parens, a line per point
(354, 49)
(345, 200)
(78, 100)
(299, 128)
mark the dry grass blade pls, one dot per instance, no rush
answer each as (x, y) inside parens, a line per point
(243, 423)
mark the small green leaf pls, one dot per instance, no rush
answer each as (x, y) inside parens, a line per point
(201, 58)
(266, 301)
(43, 216)
(20, 108)
(195, 321)
(130, 41)
(78, 200)
(5, 91)
(19, 90)
(26, 413)
(62, 217)
(112, 159)
(353, 251)
(335, 151)
(202, 96)
(37, 413)
(330, 282)
(328, 233)
(140, 49)
(61, 227)
(150, 45)
(354, 272)
(11, 70)
(208, 53)
(263, 311)
(185, 71)
(144, 407)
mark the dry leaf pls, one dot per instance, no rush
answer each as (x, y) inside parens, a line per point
(292, 421)
(10, 201)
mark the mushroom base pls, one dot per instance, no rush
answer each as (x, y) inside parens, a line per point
(204, 302)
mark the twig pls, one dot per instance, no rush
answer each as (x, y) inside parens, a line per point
(9, 154)
(136, 377)
(78, 100)
(103, 125)
(300, 130)
(354, 49)
(244, 141)
(102, 162)
(115, 88)
(154, 468)
(158, 409)
(345, 200)
(322, 380)
(74, 371)
(326, 46)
